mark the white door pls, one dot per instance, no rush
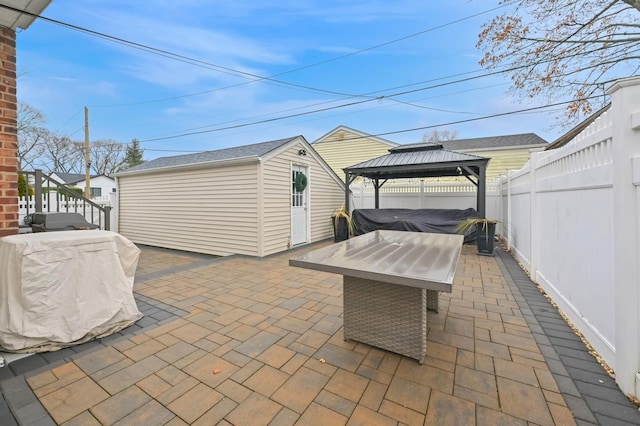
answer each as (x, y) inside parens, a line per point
(298, 207)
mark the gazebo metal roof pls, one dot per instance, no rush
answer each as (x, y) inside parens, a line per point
(419, 161)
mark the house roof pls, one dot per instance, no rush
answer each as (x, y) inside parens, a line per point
(354, 131)
(507, 141)
(568, 137)
(256, 150)
(416, 160)
(71, 178)
(21, 13)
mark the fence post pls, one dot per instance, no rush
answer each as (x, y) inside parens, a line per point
(509, 227)
(534, 228)
(625, 110)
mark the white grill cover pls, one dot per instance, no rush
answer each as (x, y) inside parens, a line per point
(59, 289)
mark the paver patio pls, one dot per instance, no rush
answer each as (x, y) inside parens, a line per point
(258, 342)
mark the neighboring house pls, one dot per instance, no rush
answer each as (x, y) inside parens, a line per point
(241, 200)
(506, 152)
(100, 185)
(343, 147)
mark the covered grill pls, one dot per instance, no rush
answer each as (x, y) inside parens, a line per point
(59, 221)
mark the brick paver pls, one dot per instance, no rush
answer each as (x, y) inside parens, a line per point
(259, 342)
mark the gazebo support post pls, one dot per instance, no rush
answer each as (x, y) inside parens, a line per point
(376, 188)
(482, 191)
(481, 185)
(348, 179)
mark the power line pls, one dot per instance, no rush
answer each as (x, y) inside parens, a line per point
(450, 123)
(327, 108)
(230, 71)
(370, 99)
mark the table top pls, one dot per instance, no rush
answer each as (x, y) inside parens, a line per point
(415, 259)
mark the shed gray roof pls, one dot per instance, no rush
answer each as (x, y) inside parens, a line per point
(246, 151)
(507, 141)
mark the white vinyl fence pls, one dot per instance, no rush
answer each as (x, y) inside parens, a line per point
(572, 218)
(53, 202)
(424, 194)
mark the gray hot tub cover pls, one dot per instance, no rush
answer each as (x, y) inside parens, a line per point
(438, 221)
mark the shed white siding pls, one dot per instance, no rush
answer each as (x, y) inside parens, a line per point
(212, 210)
(325, 195)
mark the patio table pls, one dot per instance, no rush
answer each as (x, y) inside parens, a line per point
(390, 279)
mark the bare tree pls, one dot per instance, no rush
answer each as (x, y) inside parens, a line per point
(31, 134)
(107, 156)
(38, 147)
(61, 154)
(437, 135)
(559, 48)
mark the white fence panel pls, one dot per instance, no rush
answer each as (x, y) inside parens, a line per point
(425, 195)
(561, 224)
(53, 203)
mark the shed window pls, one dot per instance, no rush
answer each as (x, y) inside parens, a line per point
(96, 192)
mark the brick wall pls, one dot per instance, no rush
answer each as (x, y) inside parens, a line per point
(8, 135)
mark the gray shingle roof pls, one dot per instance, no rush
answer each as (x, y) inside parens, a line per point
(71, 177)
(246, 151)
(506, 141)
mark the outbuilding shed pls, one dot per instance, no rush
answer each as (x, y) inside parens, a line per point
(254, 200)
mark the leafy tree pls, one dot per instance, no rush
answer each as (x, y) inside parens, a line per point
(437, 135)
(134, 155)
(558, 48)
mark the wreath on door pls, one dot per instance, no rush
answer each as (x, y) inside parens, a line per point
(300, 182)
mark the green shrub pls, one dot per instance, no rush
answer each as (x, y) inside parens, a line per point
(24, 189)
(70, 192)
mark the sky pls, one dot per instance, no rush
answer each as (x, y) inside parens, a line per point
(223, 73)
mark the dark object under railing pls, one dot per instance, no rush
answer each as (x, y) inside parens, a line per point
(54, 221)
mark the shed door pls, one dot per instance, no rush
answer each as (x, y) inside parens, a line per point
(298, 208)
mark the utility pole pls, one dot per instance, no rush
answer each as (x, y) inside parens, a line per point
(87, 158)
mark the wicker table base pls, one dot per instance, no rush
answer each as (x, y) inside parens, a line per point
(388, 316)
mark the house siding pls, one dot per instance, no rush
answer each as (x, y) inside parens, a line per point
(502, 160)
(324, 196)
(106, 184)
(210, 210)
(343, 148)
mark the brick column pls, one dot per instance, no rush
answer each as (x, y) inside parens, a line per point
(8, 134)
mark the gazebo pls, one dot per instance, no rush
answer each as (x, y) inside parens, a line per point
(420, 160)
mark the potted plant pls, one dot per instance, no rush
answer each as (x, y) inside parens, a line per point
(485, 233)
(341, 221)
